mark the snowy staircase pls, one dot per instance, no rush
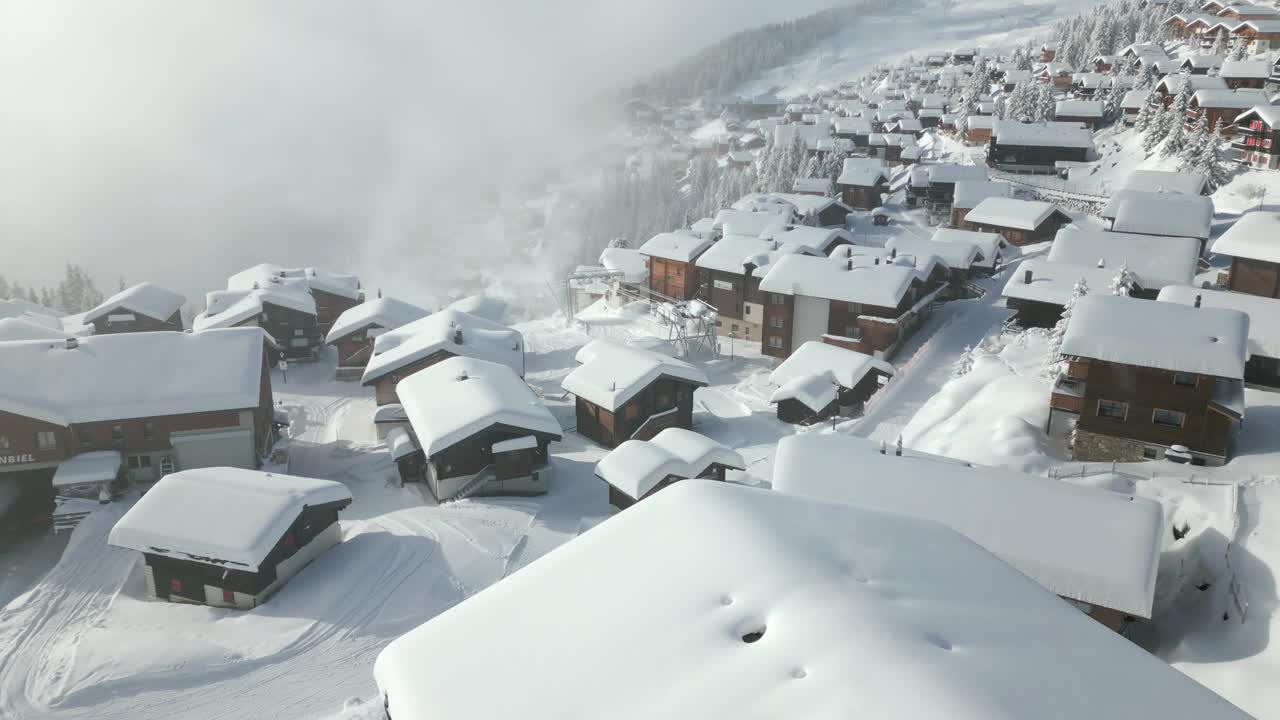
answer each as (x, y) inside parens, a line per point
(474, 484)
(70, 511)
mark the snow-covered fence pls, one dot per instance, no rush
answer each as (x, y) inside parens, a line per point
(1063, 194)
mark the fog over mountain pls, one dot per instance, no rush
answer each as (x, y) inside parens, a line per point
(181, 141)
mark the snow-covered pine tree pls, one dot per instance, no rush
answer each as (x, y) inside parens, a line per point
(1157, 128)
(1147, 113)
(1213, 160)
(1174, 131)
(1046, 106)
(1051, 360)
(1239, 49)
(1220, 45)
(1122, 282)
(1194, 145)
(963, 364)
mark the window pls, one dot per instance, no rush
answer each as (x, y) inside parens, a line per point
(850, 331)
(1185, 378)
(775, 341)
(4, 442)
(1113, 410)
(298, 333)
(175, 585)
(148, 430)
(747, 311)
(1150, 453)
(777, 299)
(776, 322)
(1168, 418)
(166, 465)
(734, 327)
(133, 462)
(852, 307)
(228, 596)
(86, 436)
(117, 432)
(145, 461)
(46, 440)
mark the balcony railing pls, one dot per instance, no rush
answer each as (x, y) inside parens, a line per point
(1068, 395)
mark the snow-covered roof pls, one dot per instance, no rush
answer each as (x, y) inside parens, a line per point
(1154, 260)
(229, 308)
(14, 307)
(762, 224)
(862, 614)
(384, 312)
(461, 396)
(959, 256)
(784, 135)
(1261, 26)
(988, 244)
(132, 375)
(221, 516)
(1256, 236)
(1241, 99)
(1041, 134)
(1166, 336)
(1011, 213)
(882, 285)
(627, 261)
(814, 239)
(1053, 282)
(1078, 108)
(400, 442)
(678, 246)
(264, 274)
(609, 374)
(955, 173)
(1134, 99)
(1016, 517)
(1246, 69)
(451, 331)
(391, 412)
(968, 193)
(144, 299)
(851, 126)
(812, 185)
(25, 327)
(636, 466)
(814, 371)
(1166, 213)
(863, 172)
(1268, 114)
(97, 466)
(732, 252)
(1263, 312)
(1187, 183)
(1172, 84)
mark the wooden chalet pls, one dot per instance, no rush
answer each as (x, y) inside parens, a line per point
(854, 129)
(354, 332)
(332, 293)
(150, 419)
(1257, 139)
(1260, 36)
(1150, 380)
(1037, 147)
(1255, 254)
(1021, 222)
(229, 537)
(977, 129)
(819, 381)
(286, 314)
(1048, 53)
(1165, 213)
(863, 182)
(478, 429)
(145, 307)
(1056, 75)
(1169, 87)
(424, 342)
(861, 298)
(1221, 107)
(670, 257)
(637, 469)
(1245, 74)
(628, 393)
(1085, 112)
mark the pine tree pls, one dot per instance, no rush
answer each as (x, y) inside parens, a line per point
(1174, 124)
(4, 288)
(1239, 49)
(1194, 146)
(1122, 282)
(1213, 161)
(1147, 113)
(963, 364)
(1051, 360)
(1046, 106)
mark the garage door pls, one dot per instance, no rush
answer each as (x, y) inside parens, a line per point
(226, 448)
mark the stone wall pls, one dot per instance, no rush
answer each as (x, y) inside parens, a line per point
(1092, 447)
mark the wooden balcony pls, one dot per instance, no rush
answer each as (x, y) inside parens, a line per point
(1068, 395)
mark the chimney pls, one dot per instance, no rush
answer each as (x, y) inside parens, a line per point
(1102, 262)
(898, 450)
(73, 343)
(877, 260)
(1026, 278)
(457, 335)
(1198, 300)
(893, 253)
(255, 284)
(849, 264)
(462, 375)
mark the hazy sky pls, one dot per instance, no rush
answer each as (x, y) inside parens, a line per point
(179, 141)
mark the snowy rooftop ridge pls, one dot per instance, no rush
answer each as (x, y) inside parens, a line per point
(637, 466)
(610, 374)
(1253, 236)
(1154, 260)
(882, 285)
(221, 516)
(1014, 516)
(1186, 183)
(152, 374)
(812, 373)
(1050, 134)
(791, 608)
(451, 331)
(144, 298)
(1167, 336)
(1263, 312)
(306, 279)
(1011, 213)
(678, 246)
(460, 396)
(229, 308)
(385, 312)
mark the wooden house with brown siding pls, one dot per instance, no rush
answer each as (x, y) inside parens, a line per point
(174, 401)
(1257, 140)
(820, 380)
(1147, 380)
(1037, 147)
(286, 314)
(863, 182)
(637, 469)
(354, 332)
(670, 258)
(332, 293)
(269, 528)
(1253, 246)
(145, 307)
(1021, 222)
(422, 343)
(478, 429)
(627, 393)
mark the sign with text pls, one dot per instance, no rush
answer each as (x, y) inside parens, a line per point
(17, 459)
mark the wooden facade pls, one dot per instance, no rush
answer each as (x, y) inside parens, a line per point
(384, 387)
(1036, 156)
(124, 320)
(737, 300)
(448, 469)
(1044, 232)
(864, 197)
(356, 347)
(1254, 277)
(1148, 407)
(673, 278)
(797, 413)
(620, 500)
(330, 306)
(666, 402)
(1257, 144)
